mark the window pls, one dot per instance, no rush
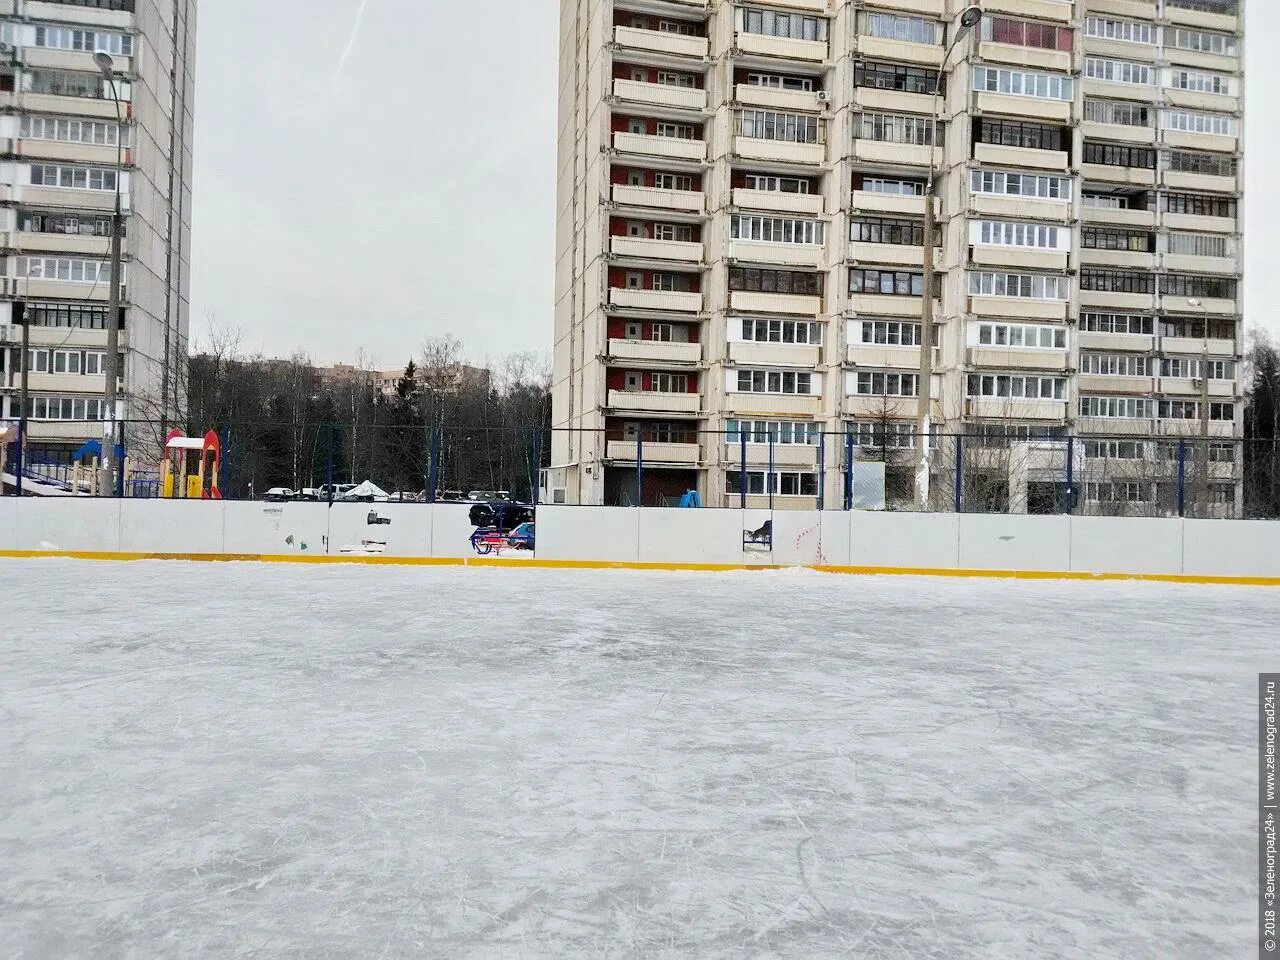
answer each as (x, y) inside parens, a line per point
(1116, 408)
(75, 362)
(64, 83)
(1115, 450)
(908, 233)
(781, 331)
(1015, 133)
(1030, 285)
(886, 435)
(64, 408)
(1128, 323)
(1200, 204)
(794, 25)
(1000, 434)
(1016, 386)
(1119, 155)
(681, 28)
(774, 381)
(72, 131)
(906, 188)
(1028, 335)
(89, 41)
(898, 283)
(894, 333)
(772, 125)
(758, 181)
(1115, 364)
(677, 131)
(898, 128)
(1194, 328)
(775, 281)
(673, 181)
(1119, 112)
(1119, 201)
(1117, 281)
(869, 383)
(1028, 185)
(679, 232)
(71, 315)
(783, 483)
(1023, 83)
(74, 269)
(1117, 238)
(1188, 368)
(1199, 121)
(777, 229)
(677, 282)
(1190, 410)
(76, 224)
(1202, 41)
(668, 382)
(72, 178)
(1183, 285)
(1118, 491)
(1127, 31)
(669, 79)
(1176, 450)
(1191, 161)
(784, 432)
(1199, 244)
(891, 26)
(1201, 81)
(889, 76)
(1009, 233)
(1026, 33)
(778, 81)
(1117, 71)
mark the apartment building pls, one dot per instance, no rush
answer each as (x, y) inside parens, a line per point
(740, 243)
(58, 179)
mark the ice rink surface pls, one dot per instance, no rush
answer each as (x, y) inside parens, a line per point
(274, 761)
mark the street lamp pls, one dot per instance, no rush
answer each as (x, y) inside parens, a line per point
(110, 415)
(969, 18)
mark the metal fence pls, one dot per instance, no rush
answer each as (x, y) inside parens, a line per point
(781, 465)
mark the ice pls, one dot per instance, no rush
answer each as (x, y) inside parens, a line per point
(349, 761)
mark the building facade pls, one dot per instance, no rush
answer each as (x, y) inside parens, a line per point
(60, 136)
(740, 247)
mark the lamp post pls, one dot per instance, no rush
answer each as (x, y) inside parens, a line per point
(969, 18)
(110, 415)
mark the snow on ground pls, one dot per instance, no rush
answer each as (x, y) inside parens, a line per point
(315, 762)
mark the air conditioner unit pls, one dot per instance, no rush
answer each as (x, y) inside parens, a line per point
(823, 96)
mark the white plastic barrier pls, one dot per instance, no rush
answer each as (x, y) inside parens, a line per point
(857, 539)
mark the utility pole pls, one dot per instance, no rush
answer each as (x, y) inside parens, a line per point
(969, 18)
(1204, 407)
(110, 418)
(20, 313)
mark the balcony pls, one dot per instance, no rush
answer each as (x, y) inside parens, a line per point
(785, 151)
(878, 48)
(655, 351)
(653, 451)
(891, 253)
(1001, 408)
(1057, 61)
(784, 48)
(638, 299)
(660, 94)
(1117, 132)
(656, 41)
(777, 200)
(883, 304)
(692, 201)
(1058, 111)
(775, 354)
(1185, 263)
(1097, 383)
(1001, 155)
(881, 151)
(789, 254)
(1118, 217)
(749, 301)
(1019, 259)
(1200, 224)
(766, 405)
(673, 148)
(1188, 16)
(892, 101)
(1112, 300)
(805, 101)
(645, 249)
(1201, 101)
(1195, 346)
(28, 241)
(1128, 176)
(1023, 358)
(869, 201)
(1019, 308)
(1092, 340)
(784, 454)
(1188, 387)
(650, 401)
(1212, 305)
(1198, 182)
(887, 355)
(1117, 258)
(1004, 206)
(1059, 10)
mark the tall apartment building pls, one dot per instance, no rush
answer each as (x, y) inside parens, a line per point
(59, 135)
(740, 243)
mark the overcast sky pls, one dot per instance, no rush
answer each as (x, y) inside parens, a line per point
(406, 189)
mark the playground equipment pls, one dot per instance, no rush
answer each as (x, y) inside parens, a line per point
(191, 467)
(82, 478)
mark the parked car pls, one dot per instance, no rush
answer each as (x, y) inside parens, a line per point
(308, 494)
(338, 489)
(488, 495)
(278, 495)
(500, 514)
(406, 496)
(522, 536)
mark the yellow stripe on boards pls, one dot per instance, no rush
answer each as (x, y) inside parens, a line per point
(635, 565)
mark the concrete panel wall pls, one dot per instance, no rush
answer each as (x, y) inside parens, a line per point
(1131, 544)
(1231, 548)
(1014, 542)
(903, 539)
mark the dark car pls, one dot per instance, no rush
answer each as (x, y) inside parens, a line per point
(500, 515)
